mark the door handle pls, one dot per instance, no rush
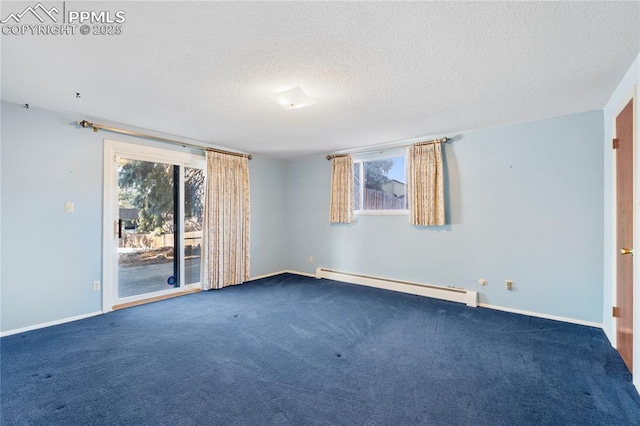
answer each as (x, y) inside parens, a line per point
(626, 251)
(117, 225)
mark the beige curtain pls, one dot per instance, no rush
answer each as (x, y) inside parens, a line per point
(225, 230)
(342, 190)
(426, 192)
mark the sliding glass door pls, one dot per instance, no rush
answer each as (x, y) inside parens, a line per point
(154, 199)
(147, 207)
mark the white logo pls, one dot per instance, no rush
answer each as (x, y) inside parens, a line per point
(34, 11)
(69, 22)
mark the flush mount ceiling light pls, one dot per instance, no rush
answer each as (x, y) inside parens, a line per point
(292, 98)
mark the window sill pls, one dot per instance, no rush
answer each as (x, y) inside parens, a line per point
(381, 212)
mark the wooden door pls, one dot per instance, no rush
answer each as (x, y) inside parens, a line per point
(624, 185)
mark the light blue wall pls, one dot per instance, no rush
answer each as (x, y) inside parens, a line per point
(50, 258)
(269, 251)
(525, 204)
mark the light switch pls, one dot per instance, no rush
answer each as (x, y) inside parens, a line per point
(68, 207)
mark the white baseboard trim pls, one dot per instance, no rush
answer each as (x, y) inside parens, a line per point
(304, 274)
(481, 305)
(539, 315)
(49, 324)
(259, 277)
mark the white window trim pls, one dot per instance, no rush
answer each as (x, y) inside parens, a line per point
(380, 156)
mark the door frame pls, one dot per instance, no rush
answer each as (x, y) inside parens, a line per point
(635, 229)
(112, 151)
(636, 234)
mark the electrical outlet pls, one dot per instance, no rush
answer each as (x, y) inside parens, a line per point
(310, 259)
(508, 284)
(96, 286)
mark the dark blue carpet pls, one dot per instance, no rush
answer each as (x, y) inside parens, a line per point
(290, 350)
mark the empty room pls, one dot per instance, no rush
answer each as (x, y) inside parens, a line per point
(319, 213)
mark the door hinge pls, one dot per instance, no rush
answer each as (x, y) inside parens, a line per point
(615, 312)
(616, 143)
(115, 159)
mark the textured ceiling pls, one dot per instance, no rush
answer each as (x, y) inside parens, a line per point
(381, 72)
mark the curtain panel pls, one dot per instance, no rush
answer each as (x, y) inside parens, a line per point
(225, 233)
(426, 189)
(342, 190)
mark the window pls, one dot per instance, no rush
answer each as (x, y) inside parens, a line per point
(380, 184)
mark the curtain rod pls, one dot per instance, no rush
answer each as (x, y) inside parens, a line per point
(432, 141)
(85, 124)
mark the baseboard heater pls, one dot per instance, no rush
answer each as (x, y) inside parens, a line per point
(452, 294)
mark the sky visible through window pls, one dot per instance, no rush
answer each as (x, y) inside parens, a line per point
(397, 171)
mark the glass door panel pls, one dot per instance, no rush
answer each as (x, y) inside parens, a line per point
(193, 209)
(147, 205)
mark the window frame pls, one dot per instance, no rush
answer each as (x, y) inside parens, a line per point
(365, 158)
(113, 151)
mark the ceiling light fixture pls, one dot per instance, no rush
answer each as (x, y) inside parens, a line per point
(292, 98)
